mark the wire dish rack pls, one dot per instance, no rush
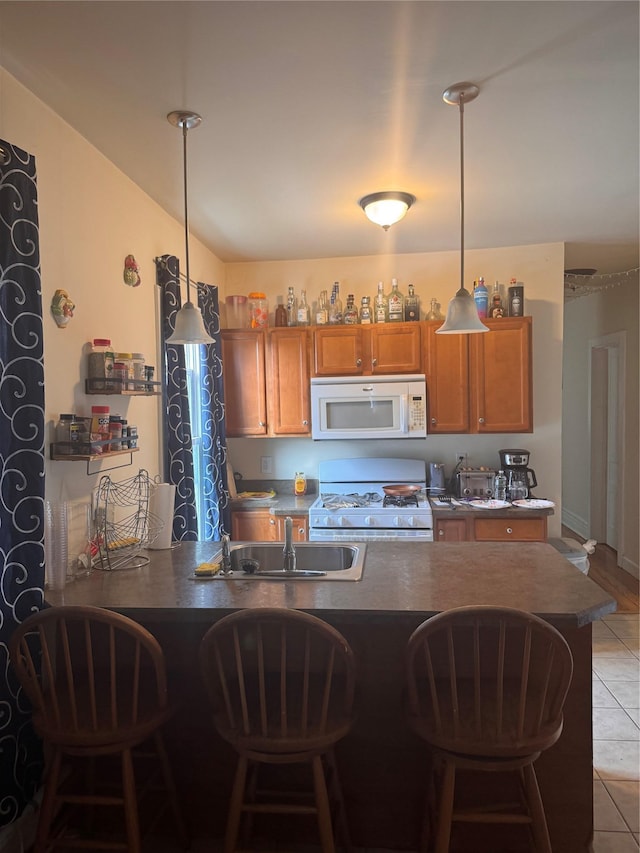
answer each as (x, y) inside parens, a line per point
(124, 525)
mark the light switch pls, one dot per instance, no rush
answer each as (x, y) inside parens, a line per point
(266, 464)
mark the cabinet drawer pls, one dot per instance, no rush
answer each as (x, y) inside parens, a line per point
(510, 529)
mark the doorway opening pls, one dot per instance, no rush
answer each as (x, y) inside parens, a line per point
(606, 409)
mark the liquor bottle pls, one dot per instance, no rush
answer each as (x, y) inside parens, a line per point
(350, 312)
(516, 299)
(481, 296)
(496, 309)
(335, 308)
(322, 311)
(411, 306)
(365, 311)
(381, 310)
(280, 315)
(304, 313)
(395, 303)
(434, 312)
(292, 308)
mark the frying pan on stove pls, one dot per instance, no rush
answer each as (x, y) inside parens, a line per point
(401, 491)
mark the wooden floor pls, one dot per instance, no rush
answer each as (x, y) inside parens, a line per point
(603, 569)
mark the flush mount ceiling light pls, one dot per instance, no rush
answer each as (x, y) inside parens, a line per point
(386, 208)
(189, 325)
(462, 314)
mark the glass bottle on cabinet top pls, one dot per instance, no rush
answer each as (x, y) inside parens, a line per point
(380, 306)
(434, 311)
(411, 305)
(292, 308)
(303, 313)
(395, 303)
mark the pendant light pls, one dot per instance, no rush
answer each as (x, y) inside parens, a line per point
(189, 325)
(462, 314)
(386, 208)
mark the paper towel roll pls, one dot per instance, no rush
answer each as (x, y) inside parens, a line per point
(161, 506)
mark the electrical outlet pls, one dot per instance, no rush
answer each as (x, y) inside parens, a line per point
(266, 464)
(461, 458)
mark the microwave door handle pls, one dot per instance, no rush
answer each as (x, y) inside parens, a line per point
(404, 412)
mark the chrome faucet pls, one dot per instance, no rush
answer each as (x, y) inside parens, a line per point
(288, 552)
(226, 555)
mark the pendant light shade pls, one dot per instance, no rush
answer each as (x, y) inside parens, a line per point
(189, 325)
(462, 314)
(386, 208)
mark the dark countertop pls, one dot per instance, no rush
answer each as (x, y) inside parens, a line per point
(399, 578)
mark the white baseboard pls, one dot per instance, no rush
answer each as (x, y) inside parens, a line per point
(632, 568)
(575, 522)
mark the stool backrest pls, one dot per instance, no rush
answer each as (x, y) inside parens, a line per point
(488, 681)
(90, 674)
(278, 679)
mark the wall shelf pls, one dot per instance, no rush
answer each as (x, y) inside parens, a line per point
(122, 387)
(93, 460)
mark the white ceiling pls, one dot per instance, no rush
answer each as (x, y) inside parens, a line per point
(307, 106)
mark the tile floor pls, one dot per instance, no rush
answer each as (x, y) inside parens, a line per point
(616, 734)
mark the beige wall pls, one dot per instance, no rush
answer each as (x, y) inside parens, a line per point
(92, 216)
(540, 267)
(586, 319)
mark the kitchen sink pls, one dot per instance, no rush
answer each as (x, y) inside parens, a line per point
(321, 561)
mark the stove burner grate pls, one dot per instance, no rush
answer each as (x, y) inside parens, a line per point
(400, 500)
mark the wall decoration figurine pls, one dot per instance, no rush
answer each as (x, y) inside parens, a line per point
(131, 273)
(62, 307)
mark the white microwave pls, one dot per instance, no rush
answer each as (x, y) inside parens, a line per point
(369, 407)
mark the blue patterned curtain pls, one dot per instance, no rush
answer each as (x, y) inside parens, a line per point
(195, 437)
(21, 463)
(177, 423)
(215, 499)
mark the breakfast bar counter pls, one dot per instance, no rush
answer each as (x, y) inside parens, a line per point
(382, 763)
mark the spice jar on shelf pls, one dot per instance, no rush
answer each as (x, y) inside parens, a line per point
(137, 361)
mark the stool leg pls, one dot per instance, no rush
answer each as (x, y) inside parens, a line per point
(322, 805)
(446, 807)
(235, 807)
(538, 819)
(170, 785)
(335, 789)
(130, 803)
(47, 806)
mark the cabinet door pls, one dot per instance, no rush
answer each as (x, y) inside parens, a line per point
(338, 351)
(256, 525)
(300, 528)
(500, 370)
(447, 372)
(510, 529)
(395, 348)
(244, 382)
(450, 530)
(289, 408)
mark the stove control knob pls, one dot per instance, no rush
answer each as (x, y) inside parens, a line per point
(369, 521)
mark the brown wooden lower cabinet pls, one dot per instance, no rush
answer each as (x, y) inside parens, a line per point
(473, 528)
(259, 525)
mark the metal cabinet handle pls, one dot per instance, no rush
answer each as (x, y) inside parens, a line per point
(261, 423)
(440, 532)
(305, 423)
(272, 521)
(358, 362)
(301, 531)
(481, 420)
(509, 529)
(434, 421)
(374, 362)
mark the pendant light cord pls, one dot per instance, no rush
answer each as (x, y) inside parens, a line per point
(462, 287)
(186, 207)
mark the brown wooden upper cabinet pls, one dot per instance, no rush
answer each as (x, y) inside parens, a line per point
(367, 350)
(266, 382)
(480, 383)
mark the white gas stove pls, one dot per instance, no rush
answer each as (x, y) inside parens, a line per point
(353, 506)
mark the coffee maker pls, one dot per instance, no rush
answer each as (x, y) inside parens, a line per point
(520, 478)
